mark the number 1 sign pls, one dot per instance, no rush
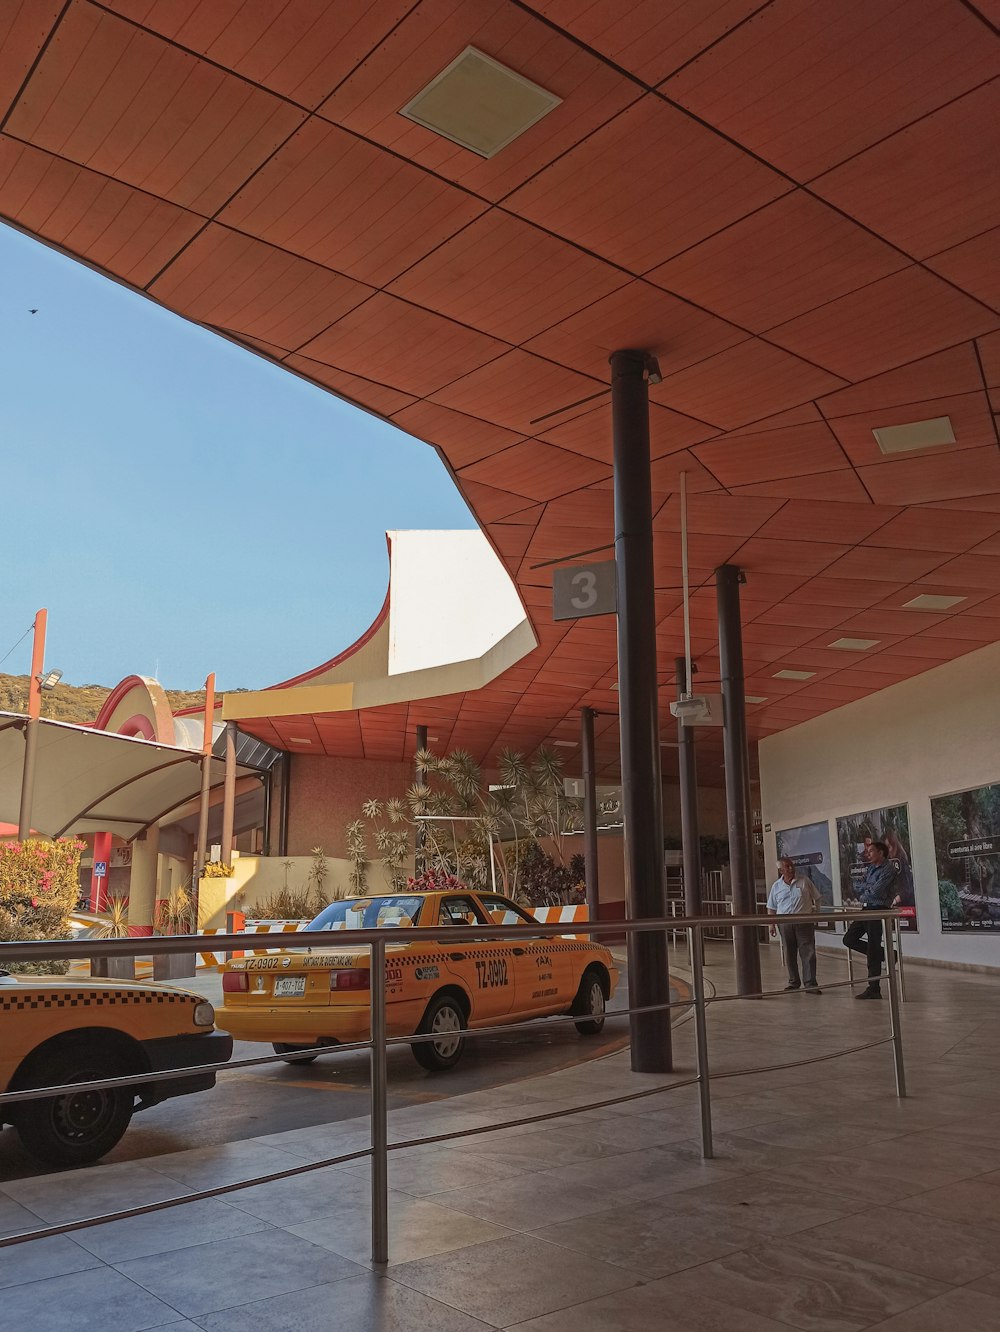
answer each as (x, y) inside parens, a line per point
(579, 590)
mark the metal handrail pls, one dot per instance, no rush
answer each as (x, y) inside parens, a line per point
(376, 941)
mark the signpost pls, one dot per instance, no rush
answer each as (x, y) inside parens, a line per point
(581, 590)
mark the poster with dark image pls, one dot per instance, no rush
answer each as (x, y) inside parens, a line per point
(809, 848)
(967, 851)
(855, 834)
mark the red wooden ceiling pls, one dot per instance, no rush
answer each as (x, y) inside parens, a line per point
(793, 204)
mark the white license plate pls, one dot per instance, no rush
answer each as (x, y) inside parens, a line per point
(286, 986)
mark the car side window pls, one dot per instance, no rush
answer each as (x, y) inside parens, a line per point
(460, 911)
(502, 911)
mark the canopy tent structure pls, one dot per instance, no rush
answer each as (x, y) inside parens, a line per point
(90, 781)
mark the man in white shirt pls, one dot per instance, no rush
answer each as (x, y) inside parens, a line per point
(794, 894)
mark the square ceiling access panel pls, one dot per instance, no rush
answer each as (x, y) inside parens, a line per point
(480, 104)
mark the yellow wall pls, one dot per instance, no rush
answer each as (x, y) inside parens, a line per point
(259, 877)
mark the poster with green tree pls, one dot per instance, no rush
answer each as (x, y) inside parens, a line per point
(809, 847)
(855, 834)
(967, 851)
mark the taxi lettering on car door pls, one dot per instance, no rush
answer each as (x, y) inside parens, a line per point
(487, 967)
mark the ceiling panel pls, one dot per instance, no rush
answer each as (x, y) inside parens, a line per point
(823, 520)
(287, 301)
(973, 267)
(904, 316)
(380, 398)
(425, 43)
(928, 528)
(463, 439)
(24, 28)
(944, 374)
(779, 262)
(508, 278)
(741, 459)
(650, 162)
(301, 51)
(844, 485)
(341, 202)
(111, 97)
(535, 470)
(937, 180)
(970, 416)
(854, 72)
(591, 433)
(516, 390)
(931, 478)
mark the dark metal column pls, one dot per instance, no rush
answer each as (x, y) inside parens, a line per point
(648, 977)
(688, 781)
(587, 716)
(283, 803)
(419, 862)
(727, 584)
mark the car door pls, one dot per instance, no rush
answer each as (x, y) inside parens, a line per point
(539, 964)
(485, 965)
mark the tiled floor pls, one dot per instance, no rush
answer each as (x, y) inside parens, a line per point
(830, 1206)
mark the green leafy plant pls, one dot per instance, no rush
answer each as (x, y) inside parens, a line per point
(39, 888)
(318, 871)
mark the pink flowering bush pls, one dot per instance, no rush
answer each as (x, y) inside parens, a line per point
(39, 887)
(435, 880)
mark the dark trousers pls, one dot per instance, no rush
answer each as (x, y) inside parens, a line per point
(865, 936)
(800, 943)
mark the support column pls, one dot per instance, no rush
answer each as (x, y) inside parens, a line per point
(688, 781)
(142, 884)
(419, 863)
(648, 977)
(587, 716)
(99, 883)
(286, 786)
(31, 725)
(201, 846)
(229, 795)
(727, 583)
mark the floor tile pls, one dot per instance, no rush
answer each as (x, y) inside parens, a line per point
(224, 1163)
(418, 1227)
(38, 1259)
(873, 1181)
(356, 1304)
(527, 1201)
(926, 1245)
(234, 1271)
(302, 1197)
(166, 1231)
(649, 1309)
(838, 1294)
(761, 1205)
(965, 1310)
(642, 1176)
(519, 1280)
(100, 1300)
(15, 1219)
(969, 1198)
(94, 1190)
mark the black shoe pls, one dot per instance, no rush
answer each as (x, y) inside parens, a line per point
(813, 989)
(869, 994)
(796, 986)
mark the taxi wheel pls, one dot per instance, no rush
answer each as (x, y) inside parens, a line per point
(82, 1127)
(445, 1016)
(590, 1000)
(292, 1053)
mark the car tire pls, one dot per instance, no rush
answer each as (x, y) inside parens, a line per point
(294, 1054)
(444, 1014)
(590, 1001)
(75, 1129)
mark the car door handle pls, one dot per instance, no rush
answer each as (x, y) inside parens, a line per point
(456, 957)
(518, 952)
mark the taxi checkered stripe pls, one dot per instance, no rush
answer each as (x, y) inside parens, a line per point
(83, 998)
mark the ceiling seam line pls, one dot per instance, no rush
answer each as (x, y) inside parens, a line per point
(847, 457)
(42, 51)
(986, 389)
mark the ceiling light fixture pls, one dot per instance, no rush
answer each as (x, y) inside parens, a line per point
(299, 740)
(794, 675)
(928, 601)
(479, 104)
(566, 744)
(854, 644)
(929, 434)
(755, 698)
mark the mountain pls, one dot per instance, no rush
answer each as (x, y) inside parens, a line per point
(79, 703)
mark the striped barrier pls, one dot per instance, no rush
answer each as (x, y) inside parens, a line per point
(562, 915)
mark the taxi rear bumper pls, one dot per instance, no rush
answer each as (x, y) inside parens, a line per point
(341, 1023)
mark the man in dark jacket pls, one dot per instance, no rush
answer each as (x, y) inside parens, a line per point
(877, 889)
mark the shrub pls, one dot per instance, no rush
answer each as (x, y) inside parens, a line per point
(218, 869)
(287, 904)
(435, 880)
(951, 903)
(39, 887)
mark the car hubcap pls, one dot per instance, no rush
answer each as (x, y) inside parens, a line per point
(82, 1116)
(596, 1000)
(446, 1020)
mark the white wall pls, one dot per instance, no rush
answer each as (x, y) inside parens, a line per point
(931, 735)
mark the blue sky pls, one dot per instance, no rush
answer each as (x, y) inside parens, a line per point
(180, 505)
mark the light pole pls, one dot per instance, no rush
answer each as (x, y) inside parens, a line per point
(37, 681)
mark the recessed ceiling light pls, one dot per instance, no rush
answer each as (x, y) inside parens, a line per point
(480, 104)
(566, 744)
(752, 698)
(794, 675)
(613, 685)
(929, 602)
(915, 435)
(299, 740)
(854, 644)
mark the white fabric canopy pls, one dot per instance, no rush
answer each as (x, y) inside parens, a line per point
(92, 781)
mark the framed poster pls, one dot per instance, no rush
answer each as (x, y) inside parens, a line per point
(855, 834)
(967, 851)
(809, 848)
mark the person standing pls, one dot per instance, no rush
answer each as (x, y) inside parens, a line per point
(794, 894)
(876, 890)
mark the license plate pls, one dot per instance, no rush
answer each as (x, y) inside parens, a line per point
(285, 986)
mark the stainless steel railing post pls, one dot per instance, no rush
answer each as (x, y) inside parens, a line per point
(897, 929)
(894, 1027)
(701, 1043)
(379, 1106)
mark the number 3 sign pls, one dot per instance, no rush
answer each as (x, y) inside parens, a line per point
(579, 590)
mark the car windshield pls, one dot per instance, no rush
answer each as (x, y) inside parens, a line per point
(368, 913)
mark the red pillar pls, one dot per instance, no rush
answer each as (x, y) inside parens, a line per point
(99, 883)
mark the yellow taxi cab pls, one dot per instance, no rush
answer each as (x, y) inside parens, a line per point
(56, 1030)
(301, 998)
